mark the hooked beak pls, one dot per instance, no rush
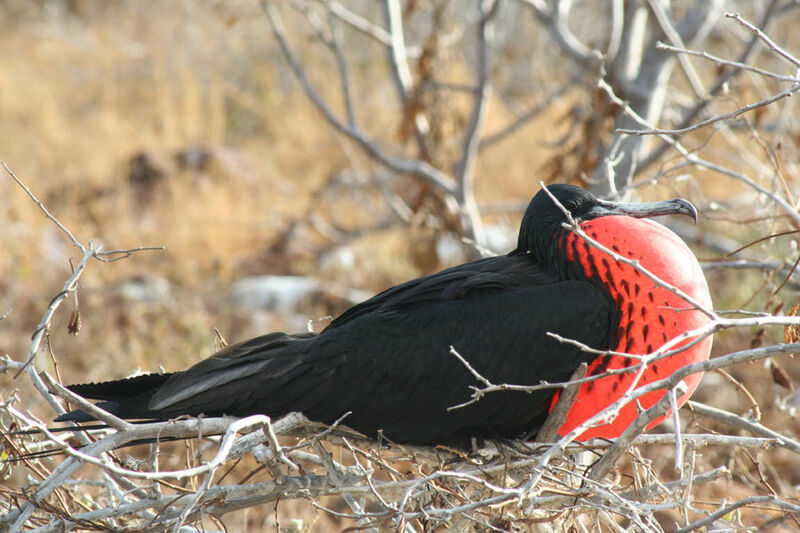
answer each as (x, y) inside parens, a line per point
(676, 206)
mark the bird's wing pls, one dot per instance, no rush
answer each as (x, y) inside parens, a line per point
(388, 361)
(491, 274)
(277, 357)
(271, 356)
(400, 375)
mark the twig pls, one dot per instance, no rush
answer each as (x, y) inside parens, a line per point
(672, 34)
(398, 61)
(736, 505)
(739, 385)
(725, 116)
(761, 35)
(697, 161)
(360, 24)
(727, 62)
(124, 254)
(718, 324)
(720, 84)
(555, 20)
(621, 444)
(405, 166)
(483, 91)
(566, 399)
(101, 415)
(739, 422)
(676, 423)
(47, 213)
(69, 286)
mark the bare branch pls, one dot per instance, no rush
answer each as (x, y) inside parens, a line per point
(480, 106)
(719, 85)
(672, 34)
(344, 72)
(622, 443)
(555, 20)
(38, 202)
(360, 23)
(109, 256)
(728, 63)
(398, 61)
(739, 422)
(69, 286)
(406, 166)
(726, 116)
(696, 160)
(732, 507)
(769, 42)
(558, 415)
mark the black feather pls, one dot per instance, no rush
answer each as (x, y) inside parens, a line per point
(388, 361)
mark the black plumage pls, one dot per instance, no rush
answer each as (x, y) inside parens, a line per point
(388, 361)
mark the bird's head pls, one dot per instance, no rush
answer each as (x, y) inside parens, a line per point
(544, 219)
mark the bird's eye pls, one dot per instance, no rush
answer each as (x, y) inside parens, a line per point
(578, 209)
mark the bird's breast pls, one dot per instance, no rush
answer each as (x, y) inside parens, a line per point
(650, 314)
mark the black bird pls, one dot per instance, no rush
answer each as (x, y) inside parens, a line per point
(388, 361)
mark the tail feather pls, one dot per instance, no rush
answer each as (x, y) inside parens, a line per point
(125, 398)
(236, 380)
(120, 389)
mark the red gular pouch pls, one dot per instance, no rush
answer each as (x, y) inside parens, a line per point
(650, 315)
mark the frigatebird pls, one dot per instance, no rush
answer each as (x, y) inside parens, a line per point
(388, 361)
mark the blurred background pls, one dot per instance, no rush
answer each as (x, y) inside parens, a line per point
(183, 125)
